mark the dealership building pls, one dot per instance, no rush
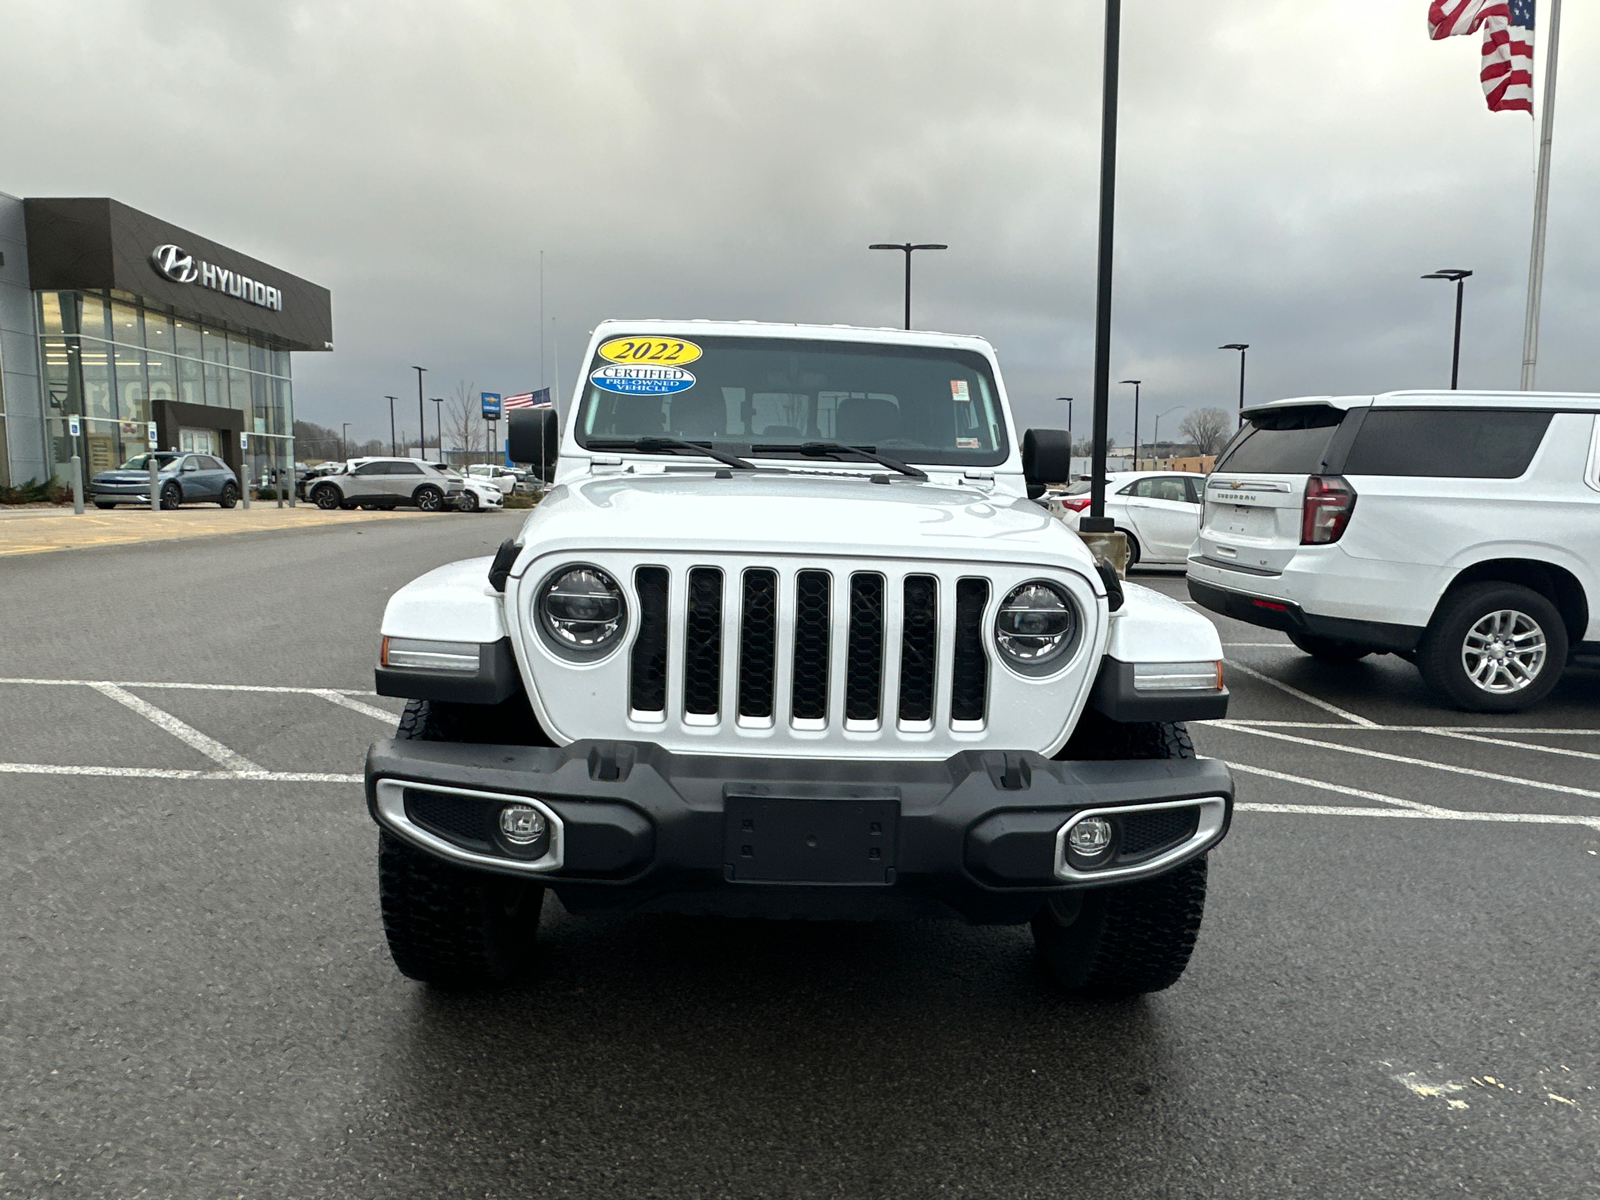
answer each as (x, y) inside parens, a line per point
(138, 328)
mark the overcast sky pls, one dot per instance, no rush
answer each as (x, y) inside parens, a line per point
(1288, 168)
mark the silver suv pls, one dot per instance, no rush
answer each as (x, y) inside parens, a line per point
(386, 483)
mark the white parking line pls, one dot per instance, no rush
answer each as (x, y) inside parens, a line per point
(1494, 741)
(1341, 713)
(344, 701)
(209, 746)
(1330, 810)
(1378, 728)
(253, 776)
(1414, 762)
(198, 687)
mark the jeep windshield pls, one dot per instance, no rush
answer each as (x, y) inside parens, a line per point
(768, 397)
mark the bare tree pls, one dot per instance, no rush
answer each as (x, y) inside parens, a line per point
(463, 419)
(1207, 428)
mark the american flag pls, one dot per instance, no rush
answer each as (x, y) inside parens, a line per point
(1507, 25)
(539, 399)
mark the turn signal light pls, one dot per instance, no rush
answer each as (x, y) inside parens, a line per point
(1326, 512)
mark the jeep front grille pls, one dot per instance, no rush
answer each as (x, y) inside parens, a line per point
(863, 694)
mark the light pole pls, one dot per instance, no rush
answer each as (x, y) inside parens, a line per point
(1096, 521)
(1136, 383)
(1241, 347)
(1068, 400)
(344, 442)
(1459, 278)
(422, 420)
(1155, 438)
(908, 247)
(438, 420)
(392, 449)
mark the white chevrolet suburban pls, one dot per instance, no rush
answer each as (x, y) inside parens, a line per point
(788, 638)
(1460, 530)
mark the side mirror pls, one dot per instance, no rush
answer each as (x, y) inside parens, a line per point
(533, 435)
(1046, 459)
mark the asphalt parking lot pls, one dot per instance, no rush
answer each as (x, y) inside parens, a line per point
(1395, 992)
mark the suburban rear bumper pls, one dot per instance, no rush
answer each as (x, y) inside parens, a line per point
(1271, 612)
(637, 827)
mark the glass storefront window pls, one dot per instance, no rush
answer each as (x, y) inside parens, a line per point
(50, 312)
(162, 370)
(239, 389)
(258, 357)
(125, 325)
(190, 387)
(216, 346)
(238, 352)
(91, 316)
(158, 332)
(279, 363)
(216, 385)
(60, 374)
(131, 387)
(94, 364)
(186, 339)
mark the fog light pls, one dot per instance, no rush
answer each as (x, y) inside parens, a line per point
(1090, 837)
(521, 824)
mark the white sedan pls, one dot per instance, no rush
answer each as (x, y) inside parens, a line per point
(1159, 511)
(500, 477)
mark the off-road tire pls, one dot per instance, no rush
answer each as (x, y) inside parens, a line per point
(229, 497)
(428, 498)
(446, 925)
(453, 928)
(1439, 654)
(171, 496)
(325, 497)
(1123, 939)
(1329, 650)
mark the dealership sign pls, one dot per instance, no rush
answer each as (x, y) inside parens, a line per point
(178, 265)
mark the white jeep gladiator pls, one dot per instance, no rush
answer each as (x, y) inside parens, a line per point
(789, 638)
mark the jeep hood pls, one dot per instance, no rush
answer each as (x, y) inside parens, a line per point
(813, 516)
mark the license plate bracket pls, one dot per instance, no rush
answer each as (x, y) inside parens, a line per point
(769, 839)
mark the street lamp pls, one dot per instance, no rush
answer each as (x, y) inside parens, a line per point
(1068, 400)
(1136, 383)
(1241, 347)
(344, 441)
(422, 421)
(1155, 438)
(438, 418)
(392, 450)
(1459, 278)
(908, 247)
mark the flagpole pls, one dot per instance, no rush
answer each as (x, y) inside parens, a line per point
(1541, 205)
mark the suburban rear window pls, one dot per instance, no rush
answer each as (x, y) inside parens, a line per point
(1291, 441)
(1456, 443)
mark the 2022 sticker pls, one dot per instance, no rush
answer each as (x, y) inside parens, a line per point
(649, 351)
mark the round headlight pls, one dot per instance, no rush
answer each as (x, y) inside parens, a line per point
(581, 608)
(1036, 623)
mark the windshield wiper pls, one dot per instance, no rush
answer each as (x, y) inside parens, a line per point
(661, 445)
(833, 449)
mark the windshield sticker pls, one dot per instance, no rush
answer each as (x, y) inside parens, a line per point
(958, 390)
(642, 381)
(666, 352)
(966, 443)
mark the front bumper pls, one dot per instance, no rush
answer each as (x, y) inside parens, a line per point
(633, 826)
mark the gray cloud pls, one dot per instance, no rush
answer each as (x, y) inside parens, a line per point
(1288, 170)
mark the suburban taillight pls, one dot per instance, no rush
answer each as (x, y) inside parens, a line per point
(1328, 505)
(1076, 503)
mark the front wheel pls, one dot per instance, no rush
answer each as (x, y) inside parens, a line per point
(1493, 647)
(229, 497)
(1133, 548)
(326, 497)
(429, 499)
(1329, 650)
(171, 496)
(468, 502)
(103, 505)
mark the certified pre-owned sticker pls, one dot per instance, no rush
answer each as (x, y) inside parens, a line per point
(642, 380)
(654, 351)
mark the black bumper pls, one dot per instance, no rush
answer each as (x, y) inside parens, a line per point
(643, 828)
(1289, 617)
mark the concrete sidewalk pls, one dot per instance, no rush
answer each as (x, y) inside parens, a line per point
(31, 530)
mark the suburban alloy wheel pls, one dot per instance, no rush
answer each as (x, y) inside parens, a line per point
(1494, 647)
(326, 496)
(230, 496)
(171, 496)
(429, 499)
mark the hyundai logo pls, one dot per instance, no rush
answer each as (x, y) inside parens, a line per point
(177, 265)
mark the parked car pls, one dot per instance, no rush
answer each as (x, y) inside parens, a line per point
(503, 478)
(1158, 511)
(303, 478)
(840, 668)
(386, 483)
(479, 495)
(1459, 530)
(182, 479)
